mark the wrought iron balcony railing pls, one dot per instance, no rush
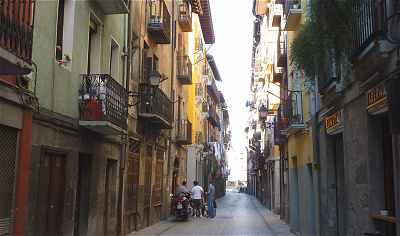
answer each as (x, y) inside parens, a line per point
(295, 109)
(184, 70)
(16, 35)
(155, 106)
(114, 6)
(278, 74)
(102, 100)
(159, 22)
(185, 15)
(282, 52)
(369, 23)
(277, 13)
(290, 117)
(184, 132)
(213, 116)
(293, 12)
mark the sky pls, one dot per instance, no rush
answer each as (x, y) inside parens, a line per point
(233, 28)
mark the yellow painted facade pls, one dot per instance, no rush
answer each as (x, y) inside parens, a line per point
(300, 145)
(194, 110)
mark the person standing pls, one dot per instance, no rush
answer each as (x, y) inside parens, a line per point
(197, 196)
(210, 200)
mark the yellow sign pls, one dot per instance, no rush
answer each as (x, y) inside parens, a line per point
(333, 122)
(376, 99)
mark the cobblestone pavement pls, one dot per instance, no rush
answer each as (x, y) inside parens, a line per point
(237, 214)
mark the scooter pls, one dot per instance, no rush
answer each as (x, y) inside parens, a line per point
(182, 206)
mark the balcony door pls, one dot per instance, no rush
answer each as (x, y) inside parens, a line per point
(114, 59)
(94, 52)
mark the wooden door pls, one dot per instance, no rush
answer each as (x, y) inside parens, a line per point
(132, 187)
(51, 195)
(147, 183)
(157, 189)
(110, 207)
(83, 196)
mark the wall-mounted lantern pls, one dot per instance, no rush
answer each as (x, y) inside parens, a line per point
(155, 79)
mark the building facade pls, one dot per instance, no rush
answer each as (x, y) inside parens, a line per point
(263, 148)
(357, 129)
(337, 131)
(96, 112)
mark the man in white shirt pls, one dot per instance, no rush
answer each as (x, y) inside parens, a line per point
(197, 196)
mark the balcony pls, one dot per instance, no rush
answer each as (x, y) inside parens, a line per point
(159, 22)
(155, 106)
(185, 16)
(278, 74)
(184, 70)
(260, 7)
(212, 89)
(294, 106)
(277, 13)
(282, 120)
(369, 23)
(293, 12)
(184, 132)
(213, 116)
(281, 52)
(110, 7)
(103, 104)
(16, 35)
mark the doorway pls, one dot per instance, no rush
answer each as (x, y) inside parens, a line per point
(338, 160)
(147, 184)
(110, 207)
(83, 195)
(51, 194)
(388, 175)
(132, 187)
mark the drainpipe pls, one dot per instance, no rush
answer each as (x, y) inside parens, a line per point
(172, 99)
(124, 138)
(316, 127)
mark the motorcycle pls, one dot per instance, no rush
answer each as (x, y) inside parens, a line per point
(182, 206)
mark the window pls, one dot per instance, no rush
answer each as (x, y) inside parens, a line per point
(114, 54)
(60, 30)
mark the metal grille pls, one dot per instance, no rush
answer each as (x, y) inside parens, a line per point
(154, 101)
(8, 153)
(103, 99)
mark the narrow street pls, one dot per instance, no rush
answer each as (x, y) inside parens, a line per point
(237, 214)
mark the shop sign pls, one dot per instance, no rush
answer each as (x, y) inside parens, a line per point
(377, 100)
(333, 122)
